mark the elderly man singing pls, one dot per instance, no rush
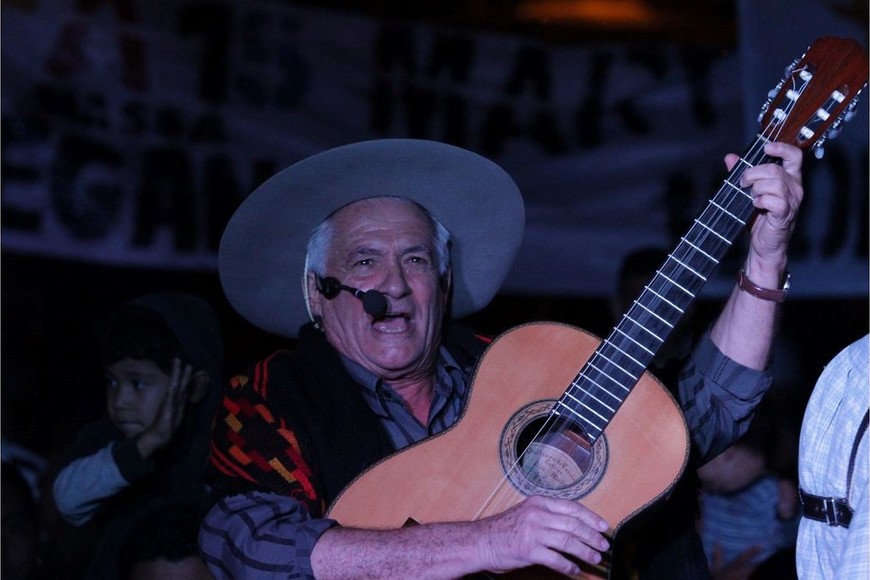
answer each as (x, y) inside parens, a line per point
(396, 240)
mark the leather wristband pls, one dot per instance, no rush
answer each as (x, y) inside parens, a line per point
(754, 289)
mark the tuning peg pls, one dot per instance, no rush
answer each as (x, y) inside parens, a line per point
(850, 113)
(818, 150)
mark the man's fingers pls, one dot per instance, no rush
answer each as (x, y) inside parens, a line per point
(792, 157)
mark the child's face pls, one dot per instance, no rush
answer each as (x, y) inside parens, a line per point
(135, 390)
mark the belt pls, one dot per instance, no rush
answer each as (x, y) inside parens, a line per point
(830, 510)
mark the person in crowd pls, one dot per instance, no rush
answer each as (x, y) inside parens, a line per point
(20, 531)
(162, 357)
(408, 237)
(834, 533)
(163, 546)
(748, 500)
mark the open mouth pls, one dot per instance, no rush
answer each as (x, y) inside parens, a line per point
(392, 322)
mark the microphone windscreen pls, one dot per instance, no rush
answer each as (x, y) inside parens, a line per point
(374, 303)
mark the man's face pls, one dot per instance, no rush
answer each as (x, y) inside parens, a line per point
(135, 389)
(388, 246)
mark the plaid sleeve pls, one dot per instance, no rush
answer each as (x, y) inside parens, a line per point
(261, 536)
(718, 397)
(253, 447)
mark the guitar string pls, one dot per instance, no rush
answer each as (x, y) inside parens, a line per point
(754, 155)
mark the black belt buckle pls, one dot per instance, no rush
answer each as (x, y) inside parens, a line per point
(830, 510)
(832, 513)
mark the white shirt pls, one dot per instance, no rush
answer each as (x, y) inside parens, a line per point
(836, 407)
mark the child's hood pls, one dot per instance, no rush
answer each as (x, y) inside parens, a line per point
(196, 326)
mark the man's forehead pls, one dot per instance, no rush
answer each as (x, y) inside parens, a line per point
(381, 212)
(375, 202)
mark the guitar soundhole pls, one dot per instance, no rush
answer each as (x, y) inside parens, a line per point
(542, 455)
(557, 456)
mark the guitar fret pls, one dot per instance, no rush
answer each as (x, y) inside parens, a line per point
(711, 258)
(612, 364)
(603, 372)
(714, 232)
(713, 202)
(744, 161)
(674, 306)
(629, 337)
(675, 284)
(738, 189)
(581, 417)
(654, 314)
(588, 408)
(577, 413)
(580, 401)
(692, 270)
(616, 364)
(601, 388)
(643, 327)
(584, 376)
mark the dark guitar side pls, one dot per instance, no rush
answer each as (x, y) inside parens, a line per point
(451, 477)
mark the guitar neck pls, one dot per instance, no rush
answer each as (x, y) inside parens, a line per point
(609, 375)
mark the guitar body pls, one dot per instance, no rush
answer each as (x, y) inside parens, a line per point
(462, 473)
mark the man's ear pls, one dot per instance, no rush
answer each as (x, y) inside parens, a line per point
(199, 385)
(446, 282)
(312, 296)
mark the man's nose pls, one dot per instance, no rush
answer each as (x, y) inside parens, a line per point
(395, 283)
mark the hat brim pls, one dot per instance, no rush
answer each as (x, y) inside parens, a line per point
(262, 250)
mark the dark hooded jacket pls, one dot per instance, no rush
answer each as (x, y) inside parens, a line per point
(174, 475)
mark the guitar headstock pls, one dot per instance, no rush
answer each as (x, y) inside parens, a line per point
(817, 95)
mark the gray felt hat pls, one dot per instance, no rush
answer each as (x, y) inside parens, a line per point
(262, 251)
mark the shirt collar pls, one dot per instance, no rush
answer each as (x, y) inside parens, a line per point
(444, 366)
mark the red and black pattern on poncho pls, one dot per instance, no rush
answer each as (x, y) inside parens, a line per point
(252, 444)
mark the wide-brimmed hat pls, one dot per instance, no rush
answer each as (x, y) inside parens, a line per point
(262, 251)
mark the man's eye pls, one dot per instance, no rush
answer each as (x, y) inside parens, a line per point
(365, 262)
(418, 261)
(111, 383)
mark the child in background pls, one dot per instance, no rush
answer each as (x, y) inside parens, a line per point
(748, 502)
(162, 357)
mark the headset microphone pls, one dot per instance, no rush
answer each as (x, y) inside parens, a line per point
(374, 302)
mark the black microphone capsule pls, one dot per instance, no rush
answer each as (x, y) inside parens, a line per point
(375, 303)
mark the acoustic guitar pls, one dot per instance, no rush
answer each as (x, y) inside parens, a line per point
(609, 436)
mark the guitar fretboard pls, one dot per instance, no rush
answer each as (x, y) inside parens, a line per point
(609, 375)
